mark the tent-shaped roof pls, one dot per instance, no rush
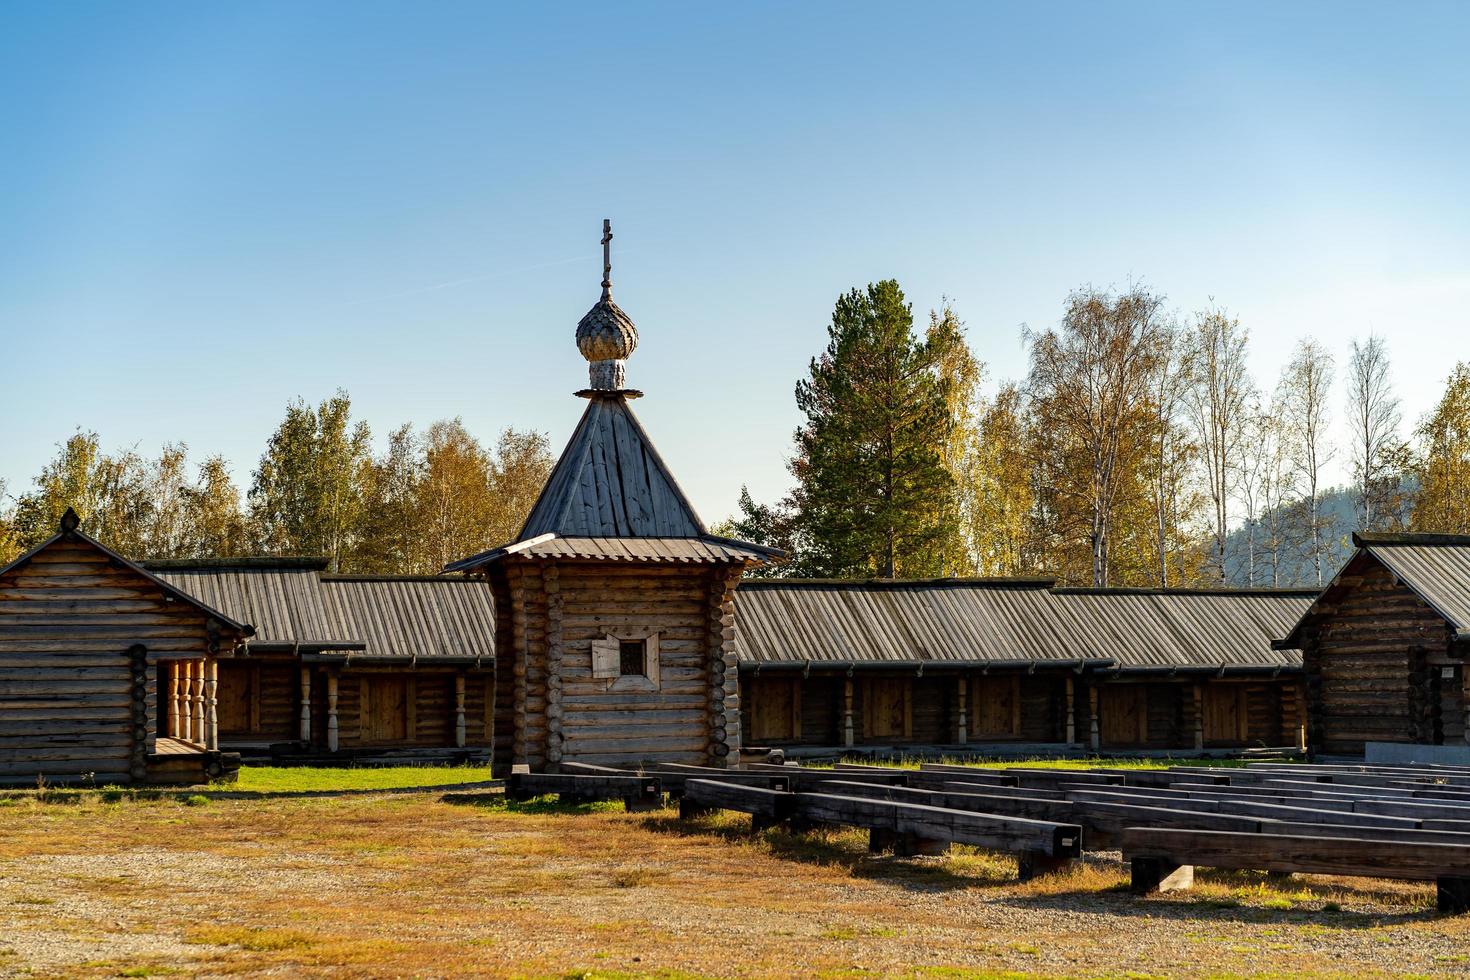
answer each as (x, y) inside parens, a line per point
(1435, 567)
(611, 483)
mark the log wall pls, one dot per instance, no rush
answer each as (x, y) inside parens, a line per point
(559, 711)
(73, 700)
(1370, 675)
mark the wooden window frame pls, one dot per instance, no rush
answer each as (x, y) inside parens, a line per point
(607, 661)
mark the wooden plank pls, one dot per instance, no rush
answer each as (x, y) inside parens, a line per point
(759, 801)
(940, 823)
(1386, 858)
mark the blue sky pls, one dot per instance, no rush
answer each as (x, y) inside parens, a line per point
(207, 210)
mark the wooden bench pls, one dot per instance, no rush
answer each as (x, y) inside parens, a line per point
(766, 807)
(1041, 845)
(1164, 860)
(636, 792)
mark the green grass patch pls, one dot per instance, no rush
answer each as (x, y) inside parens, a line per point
(301, 779)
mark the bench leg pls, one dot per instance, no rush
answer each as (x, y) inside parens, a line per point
(881, 839)
(643, 804)
(760, 823)
(1033, 864)
(1453, 895)
(912, 845)
(688, 809)
(1159, 875)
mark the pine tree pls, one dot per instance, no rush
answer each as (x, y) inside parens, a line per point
(870, 457)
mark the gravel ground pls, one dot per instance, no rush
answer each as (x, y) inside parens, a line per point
(415, 887)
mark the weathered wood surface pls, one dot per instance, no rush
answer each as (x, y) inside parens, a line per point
(768, 804)
(81, 637)
(1367, 665)
(636, 791)
(1386, 858)
(802, 777)
(940, 823)
(1251, 809)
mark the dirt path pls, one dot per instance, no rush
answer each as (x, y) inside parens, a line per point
(408, 885)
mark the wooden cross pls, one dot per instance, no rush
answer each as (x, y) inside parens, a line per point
(606, 257)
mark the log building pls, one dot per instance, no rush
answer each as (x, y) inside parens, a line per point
(1016, 664)
(108, 674)
(616, 605)
(349, 665)
(617, 629)
(1384, 646)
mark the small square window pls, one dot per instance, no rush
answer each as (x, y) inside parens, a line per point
(630, 658)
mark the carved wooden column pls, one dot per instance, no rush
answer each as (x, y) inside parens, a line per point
(211, 702)
(459, 732)
(962, 722)
(724, 668)
(1199, 716)
(331, 711)
(306, 705)
(1071, 713)
(1095, 736)
(847, 710)
(198, 702)
(551, 587)
(173, 697)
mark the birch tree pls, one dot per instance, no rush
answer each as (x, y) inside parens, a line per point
(1217, 401)
(1306, 385)
(1089, 389)
(1374, 417)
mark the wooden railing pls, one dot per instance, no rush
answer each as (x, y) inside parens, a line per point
(193, 699)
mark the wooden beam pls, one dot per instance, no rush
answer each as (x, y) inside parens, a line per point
(332, 709)
(305, 696)
(459, 725)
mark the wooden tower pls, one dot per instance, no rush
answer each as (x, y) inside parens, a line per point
(615, 605)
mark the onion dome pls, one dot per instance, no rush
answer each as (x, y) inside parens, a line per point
(606, 335)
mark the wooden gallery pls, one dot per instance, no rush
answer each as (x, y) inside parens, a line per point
(617, 629)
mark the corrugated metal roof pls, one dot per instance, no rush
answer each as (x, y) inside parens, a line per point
(784, 621)
(1439, 573)
(282, 599)
(959, 621)
(414, 617)
(291, 601)
(1187, 628)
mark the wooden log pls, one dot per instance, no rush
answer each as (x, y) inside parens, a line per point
(772, 806)
(1299, 854)
(639, 790)
(939, 823)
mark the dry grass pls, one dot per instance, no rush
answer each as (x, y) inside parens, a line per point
(410, 885)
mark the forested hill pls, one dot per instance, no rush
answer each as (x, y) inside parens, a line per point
(1339, 516)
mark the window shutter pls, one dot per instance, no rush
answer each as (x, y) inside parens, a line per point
(650, 659)
(605, 657)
